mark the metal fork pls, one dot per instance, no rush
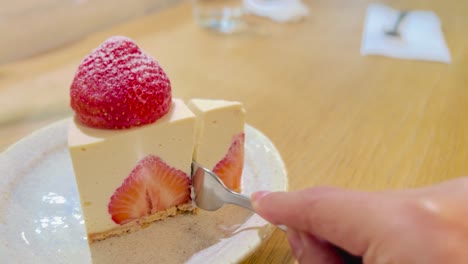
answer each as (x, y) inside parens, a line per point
(211, 194)
(395, 31)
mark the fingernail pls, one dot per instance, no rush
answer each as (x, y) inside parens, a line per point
(257, 196)
(296, 242)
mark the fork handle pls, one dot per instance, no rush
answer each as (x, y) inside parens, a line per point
(240, 200)
(400, 18)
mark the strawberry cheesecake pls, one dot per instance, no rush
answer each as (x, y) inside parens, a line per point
(132, 144)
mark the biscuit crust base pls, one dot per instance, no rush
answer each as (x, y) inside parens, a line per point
(143, 222)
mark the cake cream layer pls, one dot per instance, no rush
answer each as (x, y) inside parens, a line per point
(217, 122)
(102, 159)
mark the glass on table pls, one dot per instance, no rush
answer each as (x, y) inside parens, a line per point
(225, 16)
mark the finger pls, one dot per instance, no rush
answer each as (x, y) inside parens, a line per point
(348, 219)
(295, 241)
(308, 249)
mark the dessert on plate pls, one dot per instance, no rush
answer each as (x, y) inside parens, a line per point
(132, 144)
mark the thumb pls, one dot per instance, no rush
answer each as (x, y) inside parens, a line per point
(342, 217)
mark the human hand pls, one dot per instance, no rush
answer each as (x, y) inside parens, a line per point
(424, 225)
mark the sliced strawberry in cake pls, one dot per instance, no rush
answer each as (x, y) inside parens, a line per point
(152, 187)
(229, 169)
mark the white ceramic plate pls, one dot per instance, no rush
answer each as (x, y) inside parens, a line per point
(41, 220)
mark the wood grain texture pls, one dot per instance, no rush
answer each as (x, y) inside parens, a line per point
(337, 118)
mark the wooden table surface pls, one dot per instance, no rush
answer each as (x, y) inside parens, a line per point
(337, 118)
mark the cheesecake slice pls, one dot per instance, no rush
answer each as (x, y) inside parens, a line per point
(132, 144)
(219, 138)
(129, 178)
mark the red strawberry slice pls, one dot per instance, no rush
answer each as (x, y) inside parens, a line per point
(152, 186)
(229, 169)
(118, 86)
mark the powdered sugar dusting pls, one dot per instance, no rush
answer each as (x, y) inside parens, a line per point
(119, 86)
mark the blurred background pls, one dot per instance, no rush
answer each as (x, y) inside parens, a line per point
(29, 27)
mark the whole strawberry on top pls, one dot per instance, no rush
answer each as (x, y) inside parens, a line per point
(118, 86)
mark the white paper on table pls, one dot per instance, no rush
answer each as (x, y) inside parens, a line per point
(421, 36)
